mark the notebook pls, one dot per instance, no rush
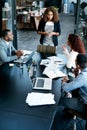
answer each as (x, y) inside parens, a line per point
(25, 58)
(43, 83)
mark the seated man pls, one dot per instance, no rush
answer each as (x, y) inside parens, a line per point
(7, 51)
(80, 82)
(76, 103)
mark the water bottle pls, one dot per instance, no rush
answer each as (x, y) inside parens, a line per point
(34, 72)
(34, 69)
(31, 71)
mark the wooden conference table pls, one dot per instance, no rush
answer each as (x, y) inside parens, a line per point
(15, 114)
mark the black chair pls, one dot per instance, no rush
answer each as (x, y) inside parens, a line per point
(75, 115)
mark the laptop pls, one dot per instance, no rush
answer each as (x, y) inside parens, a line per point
(43, 83)
(25, 58)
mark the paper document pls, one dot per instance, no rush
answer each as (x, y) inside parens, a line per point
(27, 52)
(45, 62)
(53, 73)
(35, 99)
(55, 58)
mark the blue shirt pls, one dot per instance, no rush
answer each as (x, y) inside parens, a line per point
(79, 82)
(5, 52)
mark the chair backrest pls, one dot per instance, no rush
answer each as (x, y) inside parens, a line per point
(78, 114)
(46, 49)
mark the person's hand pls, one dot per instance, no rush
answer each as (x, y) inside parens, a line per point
(76, 71)
(46, 33)
(64, 47)
(19, 53)
(65, 79)
(50, 34)
(53, 33)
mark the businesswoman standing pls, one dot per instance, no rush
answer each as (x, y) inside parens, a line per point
(49, 27)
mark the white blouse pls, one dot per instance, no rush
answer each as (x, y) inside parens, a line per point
(49, 27)
(71, 57)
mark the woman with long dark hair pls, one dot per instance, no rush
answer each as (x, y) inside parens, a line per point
(76, 46)
(49, 27)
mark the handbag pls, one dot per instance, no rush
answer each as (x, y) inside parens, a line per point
(46, 49)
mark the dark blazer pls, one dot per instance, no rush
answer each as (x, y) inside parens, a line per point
(56, 29)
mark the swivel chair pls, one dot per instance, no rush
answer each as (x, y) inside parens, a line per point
(75, 115)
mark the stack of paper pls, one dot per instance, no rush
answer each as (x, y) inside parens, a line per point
(45, 62)
(53, 72)
(55, 58)
(35, 99)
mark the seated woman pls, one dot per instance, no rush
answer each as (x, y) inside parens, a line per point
(76, 46)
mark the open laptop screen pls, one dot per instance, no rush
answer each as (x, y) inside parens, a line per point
(43, 83)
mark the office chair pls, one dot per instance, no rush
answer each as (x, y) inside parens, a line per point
(76, 114)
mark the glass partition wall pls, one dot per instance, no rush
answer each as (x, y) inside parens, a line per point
(81, 21)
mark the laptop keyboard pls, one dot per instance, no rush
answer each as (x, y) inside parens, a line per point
(26, 58)
(40, 83)
(23, 59)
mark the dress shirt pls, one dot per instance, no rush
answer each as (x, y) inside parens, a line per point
(49, 27)
(9, 48)
(5, 52)
(79, 82)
